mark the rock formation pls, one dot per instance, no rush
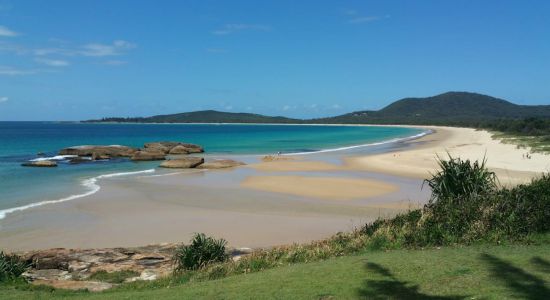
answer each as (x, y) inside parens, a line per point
(174, 147)
(183, 163)
(99, 151)
(41, 163)
(74, 268)
(220, 164)
(148, 155)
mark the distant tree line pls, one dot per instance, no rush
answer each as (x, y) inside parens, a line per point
(527, 126)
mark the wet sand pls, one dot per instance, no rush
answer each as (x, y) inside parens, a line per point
(156, 209)
(320, 187)
(262, 204)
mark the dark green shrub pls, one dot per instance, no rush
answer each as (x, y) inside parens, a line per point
(11, 266)
(201, 252)
(522, 210)
(467, 207)
(459, 178)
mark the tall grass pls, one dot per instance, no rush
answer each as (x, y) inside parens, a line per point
(458, 178)
(201, 252)
(11, 267)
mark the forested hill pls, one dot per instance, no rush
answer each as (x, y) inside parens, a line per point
(452, 108)
(204, 116)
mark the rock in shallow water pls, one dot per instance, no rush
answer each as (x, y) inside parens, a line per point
(179, 149)
(173, 147)
(183, 163)
(41, 163)
(221, 164)
(148, 156)
(99, 150)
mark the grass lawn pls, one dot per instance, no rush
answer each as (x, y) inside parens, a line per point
(488, 272)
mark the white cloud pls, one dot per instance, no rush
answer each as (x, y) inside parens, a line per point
(4, 99)
(6, 32)
(336, 106)
(228, 107)
(354, 17)
(288, 107)
(52, 62)
(10, 71)
(116, 48)
(49, 51)
(232, 28)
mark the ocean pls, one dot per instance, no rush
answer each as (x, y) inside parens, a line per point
(25, 187)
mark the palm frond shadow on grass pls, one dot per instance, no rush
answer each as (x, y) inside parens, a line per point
(524, 285)
(392, 288)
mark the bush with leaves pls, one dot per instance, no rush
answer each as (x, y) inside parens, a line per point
(458, 178)
(465, 207)
(201, 252)
(11, 266)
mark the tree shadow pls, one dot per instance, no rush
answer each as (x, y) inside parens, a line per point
(391, 287)
(541, 264)
(525, 285)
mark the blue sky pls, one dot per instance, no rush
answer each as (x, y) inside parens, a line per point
(73, 60)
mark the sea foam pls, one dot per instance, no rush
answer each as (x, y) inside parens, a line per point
(57, 157)
(408, 138)
(90, 184)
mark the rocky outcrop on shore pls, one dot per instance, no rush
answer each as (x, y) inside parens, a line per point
(173, 147)
(74, 268)
(183, 163)
(220, 164)
(149, 152)
(148, 156)
(99, 151)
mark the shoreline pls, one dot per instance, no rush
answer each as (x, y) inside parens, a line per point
(91, 187)
(278, 205)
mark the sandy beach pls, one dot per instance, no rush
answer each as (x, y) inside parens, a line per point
(506, 160)
(291, 199)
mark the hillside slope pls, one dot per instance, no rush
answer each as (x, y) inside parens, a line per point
(204, 116)
(451, 107)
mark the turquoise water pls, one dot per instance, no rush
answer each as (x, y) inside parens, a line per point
(20, 141)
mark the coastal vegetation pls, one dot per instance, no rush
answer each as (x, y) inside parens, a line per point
(448, 109)
(202, 252)
(468, 216)
(523, 125)
(205, 116)
(11, 267)
(530, 132)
